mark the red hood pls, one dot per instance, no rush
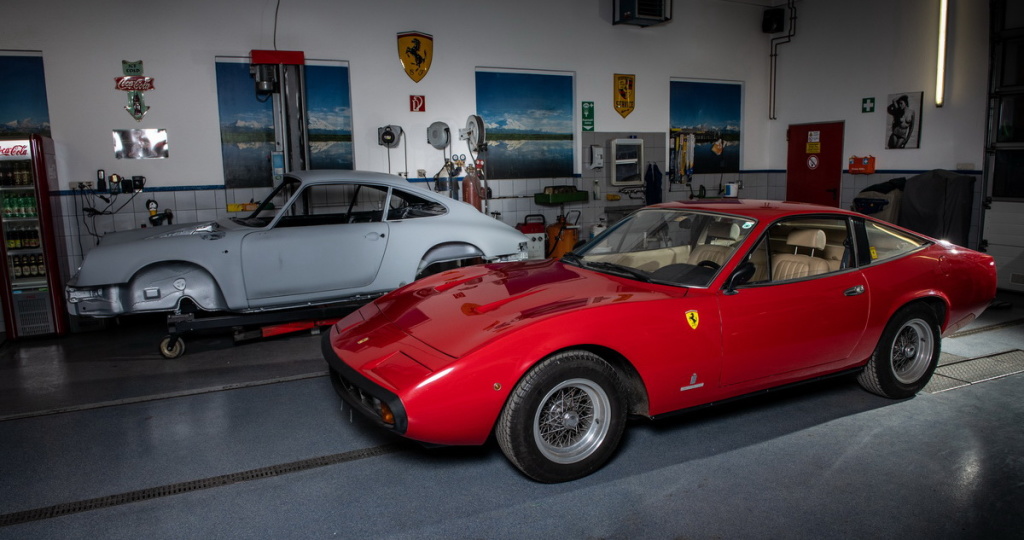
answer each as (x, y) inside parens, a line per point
(457, 311)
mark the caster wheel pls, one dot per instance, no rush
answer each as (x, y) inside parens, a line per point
(172, 347)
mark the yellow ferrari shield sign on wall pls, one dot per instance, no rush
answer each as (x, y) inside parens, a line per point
(415, 51)
(625, 94)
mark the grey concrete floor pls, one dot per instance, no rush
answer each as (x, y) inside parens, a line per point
(101, 437)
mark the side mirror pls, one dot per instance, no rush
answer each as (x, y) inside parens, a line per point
(740, 276)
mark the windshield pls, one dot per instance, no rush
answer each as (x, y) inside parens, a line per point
(669, 246)
(267, 209)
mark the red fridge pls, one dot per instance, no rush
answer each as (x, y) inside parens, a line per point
(30, 285)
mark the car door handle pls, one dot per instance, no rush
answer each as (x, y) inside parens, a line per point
(374, 235)
(854, 291)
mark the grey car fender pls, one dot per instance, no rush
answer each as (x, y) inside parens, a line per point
(162, 286)
(450, 251)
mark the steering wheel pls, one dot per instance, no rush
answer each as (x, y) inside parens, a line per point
(709, 264)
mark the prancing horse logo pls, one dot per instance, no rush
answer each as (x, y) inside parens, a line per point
(416, 51)
(693, 318)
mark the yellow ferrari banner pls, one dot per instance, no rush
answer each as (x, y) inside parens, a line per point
(415, 51)
(625, 94)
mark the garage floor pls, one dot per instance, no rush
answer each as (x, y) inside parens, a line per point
(100, 437)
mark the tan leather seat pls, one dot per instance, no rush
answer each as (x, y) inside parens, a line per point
(833, 256)
(654, 259)
(720, 239)
(795, 265)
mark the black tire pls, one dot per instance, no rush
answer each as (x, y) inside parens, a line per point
(564, 419)
(172, 347)
(906, 355)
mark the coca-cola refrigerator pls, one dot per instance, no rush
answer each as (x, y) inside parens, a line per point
(30, 285)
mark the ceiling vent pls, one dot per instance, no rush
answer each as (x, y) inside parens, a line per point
(641, 12)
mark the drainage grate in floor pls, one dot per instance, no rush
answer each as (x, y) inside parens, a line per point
(981, 329)
(58, 510)
(968, 372)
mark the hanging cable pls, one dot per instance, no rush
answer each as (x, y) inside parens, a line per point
(277, 11)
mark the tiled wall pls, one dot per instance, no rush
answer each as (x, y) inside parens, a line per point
(511, 200)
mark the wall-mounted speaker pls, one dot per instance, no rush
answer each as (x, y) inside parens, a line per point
(773, 21)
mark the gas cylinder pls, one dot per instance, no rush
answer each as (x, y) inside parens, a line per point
(471, 188)
(561, 237)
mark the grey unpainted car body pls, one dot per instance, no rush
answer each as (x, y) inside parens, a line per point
(244, 265)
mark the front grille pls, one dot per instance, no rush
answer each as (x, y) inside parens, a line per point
(363, 394)
(355, 396)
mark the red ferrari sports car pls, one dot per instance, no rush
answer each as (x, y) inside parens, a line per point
(679, 305)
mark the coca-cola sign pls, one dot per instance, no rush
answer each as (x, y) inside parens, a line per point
(14, 148)
(133, 83)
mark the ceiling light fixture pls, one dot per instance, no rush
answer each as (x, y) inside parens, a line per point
(940, 69)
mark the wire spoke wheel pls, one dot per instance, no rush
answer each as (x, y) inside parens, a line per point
(565, 417)
(906, 354)
(572, 421)
(912, 351)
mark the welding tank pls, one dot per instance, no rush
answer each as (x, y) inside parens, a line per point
(471, 188)
(561, 237)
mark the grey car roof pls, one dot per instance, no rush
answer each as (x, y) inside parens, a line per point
(322, 175)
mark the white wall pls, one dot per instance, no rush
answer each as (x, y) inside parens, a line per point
(83, 44)
(845, 51)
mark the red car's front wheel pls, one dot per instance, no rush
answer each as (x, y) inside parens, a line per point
(564, 419)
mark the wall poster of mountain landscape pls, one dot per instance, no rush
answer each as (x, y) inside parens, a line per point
(23, 107)
(247, 122)
(710, 111)
(529, 123)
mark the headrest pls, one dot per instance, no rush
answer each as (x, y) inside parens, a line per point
(834, 252)
(721, 229)
(809, 238)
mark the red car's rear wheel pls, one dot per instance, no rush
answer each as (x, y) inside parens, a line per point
(906, 355)
(564, 419)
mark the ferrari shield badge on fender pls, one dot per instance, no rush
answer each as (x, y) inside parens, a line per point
(693, 318)
(415, 51)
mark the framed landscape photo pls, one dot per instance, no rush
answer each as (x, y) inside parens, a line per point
(529, 120)
(705, 119)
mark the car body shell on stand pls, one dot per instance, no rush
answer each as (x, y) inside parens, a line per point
(320, 237)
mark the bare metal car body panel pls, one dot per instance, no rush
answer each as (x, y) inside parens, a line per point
(227, 265)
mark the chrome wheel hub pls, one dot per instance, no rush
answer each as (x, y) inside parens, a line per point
(912, 351)
(571, 422)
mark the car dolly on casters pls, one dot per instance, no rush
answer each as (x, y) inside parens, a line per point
(250, 326)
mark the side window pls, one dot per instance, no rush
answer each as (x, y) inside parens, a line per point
(332, 204)
(886, 242)
(405, 205)
(761, 258)
(801, 248)
(367, 204)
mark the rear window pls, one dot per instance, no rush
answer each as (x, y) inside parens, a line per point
(886, 242)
